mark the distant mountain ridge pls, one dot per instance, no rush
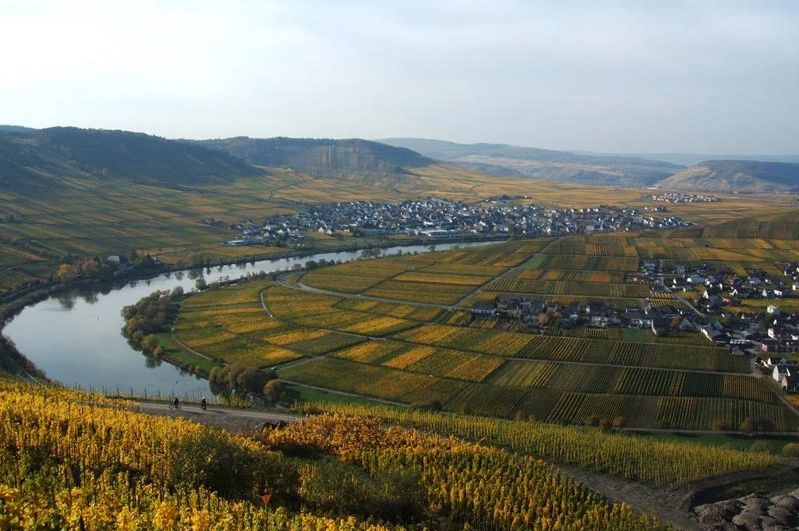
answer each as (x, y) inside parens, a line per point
(36, 159)
(560, 166)
(321, 156)
(741, 176)
(33, 158)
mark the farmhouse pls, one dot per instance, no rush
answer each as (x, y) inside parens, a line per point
(484, 309)
(786, 374)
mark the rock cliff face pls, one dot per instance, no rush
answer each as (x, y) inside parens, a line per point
(321, 156)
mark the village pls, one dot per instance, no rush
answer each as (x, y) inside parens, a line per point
(706, 300)
(680, 197)
(443, 219)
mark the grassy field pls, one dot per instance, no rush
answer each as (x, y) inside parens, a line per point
(416, 350)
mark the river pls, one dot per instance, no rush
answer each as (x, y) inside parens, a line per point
(75, 337)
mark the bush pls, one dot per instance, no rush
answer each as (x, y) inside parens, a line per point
(435, 405)
(722, 425)
(593, 420)
(760, 447)
(619, 422)
(606, 424)
(272, 390)
(791, 450)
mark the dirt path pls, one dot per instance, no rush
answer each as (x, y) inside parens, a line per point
(231, 419)
(664, 503)
(263, 304)
(188, 349)
(304, 287)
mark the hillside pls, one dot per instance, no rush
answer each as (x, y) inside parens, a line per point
(559, 166)
(31, 159)
(784, 226)
(744, 176)
(321, 156)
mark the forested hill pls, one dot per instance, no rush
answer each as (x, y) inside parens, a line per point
(321, 156)
(736, 176)
(547, 164)
(36, 158)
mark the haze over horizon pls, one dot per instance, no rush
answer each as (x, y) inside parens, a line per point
(626, 77)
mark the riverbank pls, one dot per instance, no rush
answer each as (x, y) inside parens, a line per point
(63, 338)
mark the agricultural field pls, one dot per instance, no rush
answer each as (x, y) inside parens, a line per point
(392, 329)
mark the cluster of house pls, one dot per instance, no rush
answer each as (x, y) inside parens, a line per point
(676, 197)
(441, 218)
(537, 313)
(784, 371)
(712, 313)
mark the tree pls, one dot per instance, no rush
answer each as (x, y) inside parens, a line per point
(65, 272)
(272, 390)
(201, 284)
(606, 424)
(593, 420)
(619, 422)
(520, 415)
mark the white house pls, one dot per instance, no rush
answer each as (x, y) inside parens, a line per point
(772, 310)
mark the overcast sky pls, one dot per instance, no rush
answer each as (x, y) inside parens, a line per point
(626, 76)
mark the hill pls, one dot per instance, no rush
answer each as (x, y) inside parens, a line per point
(745, 176)
(689, 159)
(559, 166)
(783, 226)
(321, 156)
(34, 158)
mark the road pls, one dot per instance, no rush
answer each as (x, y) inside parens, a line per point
(308, 289)
(233, 419)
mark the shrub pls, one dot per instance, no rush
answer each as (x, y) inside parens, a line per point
(619, 422)
(593, 420)
(760, 446)
(722, 425)
(791, 450)
(272, 390)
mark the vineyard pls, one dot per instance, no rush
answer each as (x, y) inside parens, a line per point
(631, 457)
(410, 349)
(76, 461)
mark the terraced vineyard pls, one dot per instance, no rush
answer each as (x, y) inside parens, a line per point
(386, 329)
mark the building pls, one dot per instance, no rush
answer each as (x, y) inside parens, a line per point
(484, 309)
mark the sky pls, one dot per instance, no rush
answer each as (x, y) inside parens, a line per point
(632, 76)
